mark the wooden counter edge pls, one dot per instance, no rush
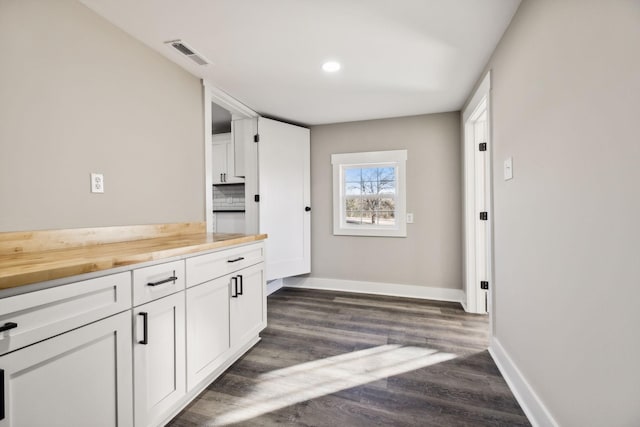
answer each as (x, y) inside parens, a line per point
(89, 265)
(13, 242)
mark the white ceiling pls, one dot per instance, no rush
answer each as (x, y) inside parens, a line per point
(399, 58)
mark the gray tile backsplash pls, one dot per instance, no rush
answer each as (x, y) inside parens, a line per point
(228, 197)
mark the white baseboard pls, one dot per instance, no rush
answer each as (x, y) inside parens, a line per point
(274, 285)
(534, 409)
(376, 288)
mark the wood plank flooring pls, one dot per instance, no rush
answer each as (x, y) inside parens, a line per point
(343, 359)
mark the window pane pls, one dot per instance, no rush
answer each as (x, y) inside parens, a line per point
(352, 174)
(369, 195)
(353, 217)
(352, 189)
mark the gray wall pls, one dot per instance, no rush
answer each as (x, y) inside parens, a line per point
(430, 255)
(78, 95)
(566, 99)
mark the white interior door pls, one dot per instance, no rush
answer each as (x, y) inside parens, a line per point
(481, 205)
(477, 198)
(284, 182)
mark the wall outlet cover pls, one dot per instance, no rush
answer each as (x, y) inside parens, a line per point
(97, 183)
(508, 169)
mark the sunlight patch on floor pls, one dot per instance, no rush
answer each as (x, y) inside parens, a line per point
(283, 387)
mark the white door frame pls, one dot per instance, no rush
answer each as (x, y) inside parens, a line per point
(480, 102)
(238, 111)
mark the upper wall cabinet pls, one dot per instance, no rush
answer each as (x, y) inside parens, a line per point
(225, 161)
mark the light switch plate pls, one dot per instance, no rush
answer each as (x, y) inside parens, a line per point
(508, 169)
(97, 183)
(409, 218)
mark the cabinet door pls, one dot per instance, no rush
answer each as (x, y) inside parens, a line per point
(224, 161)
(219, 161)
(159, 358)
(243, 134)
(80, 378)
(284, 180)
(247, 304)
(207, 328)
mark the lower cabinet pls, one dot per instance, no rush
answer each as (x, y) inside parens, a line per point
(207, 328)
(67, 359)
(159, 358)
(223, 315)
(247, 305)
(79, 378)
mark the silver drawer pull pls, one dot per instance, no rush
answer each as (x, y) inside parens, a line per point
(236, 260)
(161, 282)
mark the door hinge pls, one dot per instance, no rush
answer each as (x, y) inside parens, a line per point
(256, 137)
(484, 284)
(482, 146)
(256, 198)
(484, 216)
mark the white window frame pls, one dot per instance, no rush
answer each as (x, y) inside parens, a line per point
(395, 158)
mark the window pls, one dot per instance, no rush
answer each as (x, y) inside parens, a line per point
(369, 193)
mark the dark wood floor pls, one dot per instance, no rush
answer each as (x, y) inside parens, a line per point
(342, 359)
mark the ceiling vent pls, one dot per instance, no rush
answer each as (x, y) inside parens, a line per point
(189, 52)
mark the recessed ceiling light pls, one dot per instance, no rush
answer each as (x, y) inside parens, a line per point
(331, 66)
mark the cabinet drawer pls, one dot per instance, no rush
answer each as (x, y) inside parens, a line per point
(203, 268)
(42, 314)
(157, 281)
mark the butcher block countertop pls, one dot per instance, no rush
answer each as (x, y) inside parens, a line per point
(39, 256)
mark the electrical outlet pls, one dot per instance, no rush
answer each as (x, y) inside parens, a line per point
(409, 218)
(97, 183)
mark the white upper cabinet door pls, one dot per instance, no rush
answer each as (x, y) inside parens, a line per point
(223, 160)
(285, 199)
(243, 133)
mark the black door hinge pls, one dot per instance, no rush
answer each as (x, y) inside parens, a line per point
(482, 146)
(484, 216)
(256, 137)
(256, 198)
(484, 285)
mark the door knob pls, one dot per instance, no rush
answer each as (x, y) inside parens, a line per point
(307, 209)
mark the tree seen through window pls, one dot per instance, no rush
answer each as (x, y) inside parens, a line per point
(370, 194)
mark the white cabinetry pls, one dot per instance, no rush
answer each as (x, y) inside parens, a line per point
(159, 341)
(131, 348)
(224, 160)
(207, 329)
(226, 307)
(79, 378)
(247, 304)
(159, 358)
(43, 314)
(223, 314)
